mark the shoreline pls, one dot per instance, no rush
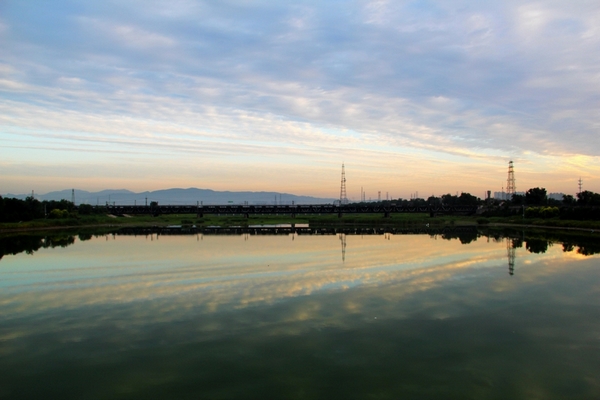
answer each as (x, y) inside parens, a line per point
(164, 225)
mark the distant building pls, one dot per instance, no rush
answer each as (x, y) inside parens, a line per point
(555, 196)
(506, 196)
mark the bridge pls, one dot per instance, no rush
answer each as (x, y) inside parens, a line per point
(292, 210)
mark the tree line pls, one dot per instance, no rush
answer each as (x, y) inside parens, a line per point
(533, 204)
(533, 197)
(16, 210)
(536, 204)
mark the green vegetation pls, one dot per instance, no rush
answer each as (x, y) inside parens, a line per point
(409, 220)
(534, 209)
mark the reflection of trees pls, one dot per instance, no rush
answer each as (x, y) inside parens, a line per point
(465, 237)
(539, 242)
(585, 243)
(59, 241)
(32, 243)
(589, 249)
(18, 244)
(567, 247)
(538, 246)
(84, 236)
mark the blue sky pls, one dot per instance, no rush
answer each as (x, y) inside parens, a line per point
(434, 97)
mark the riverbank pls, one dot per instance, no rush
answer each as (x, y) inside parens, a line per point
(106, 221)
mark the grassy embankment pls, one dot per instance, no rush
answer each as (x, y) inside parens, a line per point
(539, 222)
(236, 220)
(313, 220)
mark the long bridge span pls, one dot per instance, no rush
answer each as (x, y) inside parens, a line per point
(293, 210)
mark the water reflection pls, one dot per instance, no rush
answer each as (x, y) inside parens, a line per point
(208, 315)
(343, 242)
(582, 244)
(32, 243)
(535, 243)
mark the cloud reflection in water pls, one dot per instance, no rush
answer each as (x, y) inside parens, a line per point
(287, 315)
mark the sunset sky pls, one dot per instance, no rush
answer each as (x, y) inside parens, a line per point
(412, 96)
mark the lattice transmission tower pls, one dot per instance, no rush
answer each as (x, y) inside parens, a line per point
(511, 187)
(343, 196)
(343, 241)
(511, 253)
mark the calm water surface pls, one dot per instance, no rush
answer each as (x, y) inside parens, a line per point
(300, 316)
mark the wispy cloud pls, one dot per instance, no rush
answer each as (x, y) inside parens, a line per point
(457, 80)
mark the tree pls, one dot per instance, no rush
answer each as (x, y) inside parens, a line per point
(518, 199)
(434, 201)
(448, 199)
(536, 196)
(57, 214)
(85, 209)
(568, 199)
(467, 199)
(14, 210)
(587, 198)
(58, 205)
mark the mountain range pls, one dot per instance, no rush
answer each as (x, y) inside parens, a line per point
(176, 197)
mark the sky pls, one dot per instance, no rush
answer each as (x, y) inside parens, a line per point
(411, 96)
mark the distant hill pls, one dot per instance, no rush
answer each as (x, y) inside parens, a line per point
(177, 197)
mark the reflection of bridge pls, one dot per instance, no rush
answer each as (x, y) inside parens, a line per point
(293, 210)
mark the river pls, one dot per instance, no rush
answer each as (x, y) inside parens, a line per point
(383, 315)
